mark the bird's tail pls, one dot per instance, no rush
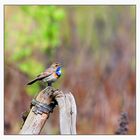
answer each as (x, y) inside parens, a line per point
(33, 81)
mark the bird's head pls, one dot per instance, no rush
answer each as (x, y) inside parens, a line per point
(56, 65)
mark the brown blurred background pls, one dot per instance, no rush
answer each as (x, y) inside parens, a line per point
(96, 45)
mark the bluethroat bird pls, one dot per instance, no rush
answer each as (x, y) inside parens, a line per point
(50, 75)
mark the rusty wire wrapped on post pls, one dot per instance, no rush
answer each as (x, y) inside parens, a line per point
(44, 103)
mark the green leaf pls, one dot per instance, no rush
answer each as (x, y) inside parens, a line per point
(31, 67)
(21, 53)
(58, 14)
(24, 67)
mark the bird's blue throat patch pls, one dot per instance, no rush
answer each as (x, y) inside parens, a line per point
(58, 71)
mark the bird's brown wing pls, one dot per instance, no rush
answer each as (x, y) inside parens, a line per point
(47, 73)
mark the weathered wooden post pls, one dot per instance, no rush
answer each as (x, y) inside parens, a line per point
(68, 112)
(37, 116)
(44, 104)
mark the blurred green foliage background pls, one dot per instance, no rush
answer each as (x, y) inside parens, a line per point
(39, 31)
(96, 45)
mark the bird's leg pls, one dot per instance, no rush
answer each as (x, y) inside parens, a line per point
(49, 84)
